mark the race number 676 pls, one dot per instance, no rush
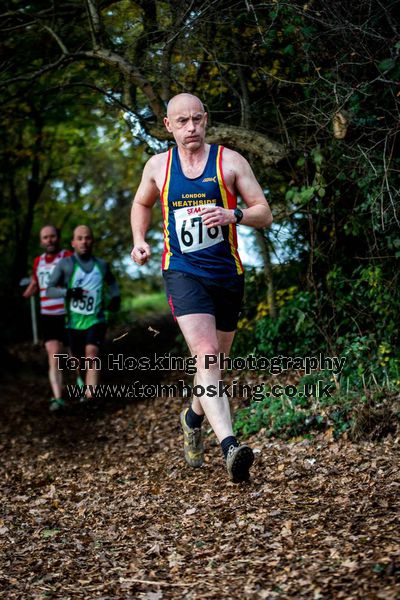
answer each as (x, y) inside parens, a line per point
(187, 236)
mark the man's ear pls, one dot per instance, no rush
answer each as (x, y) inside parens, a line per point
(167, 124)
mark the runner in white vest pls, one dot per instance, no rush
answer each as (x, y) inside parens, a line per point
(81, 279)
(52, 310)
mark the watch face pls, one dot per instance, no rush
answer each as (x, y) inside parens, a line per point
(238, 214)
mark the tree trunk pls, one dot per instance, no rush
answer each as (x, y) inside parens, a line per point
(268, 151)
(263, 244)
(35, 187)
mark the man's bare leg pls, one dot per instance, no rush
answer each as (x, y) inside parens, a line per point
(225, 340)
(92, 374)
(201, 336)
(55, 375)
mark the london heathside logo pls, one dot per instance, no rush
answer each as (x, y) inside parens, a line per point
(210, 179)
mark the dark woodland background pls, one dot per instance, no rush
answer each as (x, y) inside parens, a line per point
(308, 92)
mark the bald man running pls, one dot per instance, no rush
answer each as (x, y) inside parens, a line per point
(198, 184)
(80, 279)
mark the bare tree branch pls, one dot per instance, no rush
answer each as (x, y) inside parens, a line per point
(94, 23)
(56, 37)
(268, 151)
(131, 72)
(35, 74)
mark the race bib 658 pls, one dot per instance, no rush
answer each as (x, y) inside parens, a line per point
(85, 306)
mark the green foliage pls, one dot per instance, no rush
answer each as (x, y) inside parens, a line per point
(144, 304)
(292, 333)
(284, 70)
(367, 302)
(291, 417)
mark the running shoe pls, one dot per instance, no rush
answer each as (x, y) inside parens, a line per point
(192, 442)
(81, 385)
(238, 462)
(56, 404)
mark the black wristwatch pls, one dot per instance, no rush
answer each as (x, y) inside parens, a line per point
(238, 215)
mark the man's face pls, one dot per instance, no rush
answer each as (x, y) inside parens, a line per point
(49, 240)
(187, 122)
(82, 242)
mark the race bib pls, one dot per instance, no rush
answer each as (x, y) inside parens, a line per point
(87, 305)
(43, 277)
(192, 234)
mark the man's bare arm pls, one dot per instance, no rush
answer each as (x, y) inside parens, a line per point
(32, 289)
(258, 213)
(143, 202)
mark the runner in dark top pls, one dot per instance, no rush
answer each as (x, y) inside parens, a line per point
(198, 186)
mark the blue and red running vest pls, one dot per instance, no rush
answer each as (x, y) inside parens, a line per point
(188, 245)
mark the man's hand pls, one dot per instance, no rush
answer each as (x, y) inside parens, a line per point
(141, 253)
(75, 293)
(216, 215)
(32, 289)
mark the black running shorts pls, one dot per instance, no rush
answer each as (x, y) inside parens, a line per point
(79, 338)
(189, 294)
(53, 328)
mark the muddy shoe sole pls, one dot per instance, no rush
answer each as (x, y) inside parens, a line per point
(238, 463)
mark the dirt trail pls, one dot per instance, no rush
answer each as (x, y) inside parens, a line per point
(99, 504)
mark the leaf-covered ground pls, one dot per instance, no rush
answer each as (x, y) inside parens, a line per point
(99, 504)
